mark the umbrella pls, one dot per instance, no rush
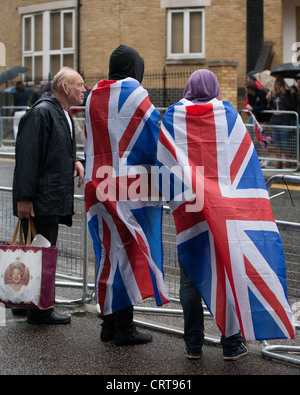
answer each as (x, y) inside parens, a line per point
(11, 89)
(266, 79)
(286, 70)
(11, 73)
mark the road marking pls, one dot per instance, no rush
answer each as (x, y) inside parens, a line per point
(282, 186)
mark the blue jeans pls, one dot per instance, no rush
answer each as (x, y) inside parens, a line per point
(194, 319)
(281, 136)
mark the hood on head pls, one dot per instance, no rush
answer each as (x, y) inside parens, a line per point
(126, 62)
(202, 87)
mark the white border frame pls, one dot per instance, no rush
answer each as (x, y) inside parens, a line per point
(186, 34)
(46, 52)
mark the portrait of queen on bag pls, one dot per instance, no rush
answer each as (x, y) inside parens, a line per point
(17, 276)
(20, 277)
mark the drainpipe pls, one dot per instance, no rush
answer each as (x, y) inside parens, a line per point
(78, 36)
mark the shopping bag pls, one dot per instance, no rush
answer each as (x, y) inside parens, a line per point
(27, 272)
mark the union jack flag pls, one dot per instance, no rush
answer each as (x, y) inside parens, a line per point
(260, 133)
(228, 242)
(121, 136)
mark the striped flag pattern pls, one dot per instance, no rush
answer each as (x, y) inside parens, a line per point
(121, 136)
(227, 237)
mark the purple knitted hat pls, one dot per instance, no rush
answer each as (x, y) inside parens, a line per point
(202, 87)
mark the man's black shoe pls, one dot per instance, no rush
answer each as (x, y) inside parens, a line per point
(53, 318)
(16, 311)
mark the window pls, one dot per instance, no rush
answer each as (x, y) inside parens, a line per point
(2, 54)
(186, 34)
(48, 43)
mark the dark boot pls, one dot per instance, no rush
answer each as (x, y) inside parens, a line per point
(125, 330)
(108, 328)
(47, 317)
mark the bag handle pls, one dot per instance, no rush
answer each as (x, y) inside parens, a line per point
(31, 233)
(14, 238)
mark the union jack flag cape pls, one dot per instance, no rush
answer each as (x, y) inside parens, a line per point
(121, 136)
(227, 238)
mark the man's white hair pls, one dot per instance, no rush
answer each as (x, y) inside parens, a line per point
(62, 76)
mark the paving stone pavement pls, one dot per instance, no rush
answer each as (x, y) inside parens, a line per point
(76, 349)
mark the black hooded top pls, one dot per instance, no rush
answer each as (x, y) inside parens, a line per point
(126, 62)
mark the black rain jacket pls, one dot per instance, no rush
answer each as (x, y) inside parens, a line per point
(45, 158)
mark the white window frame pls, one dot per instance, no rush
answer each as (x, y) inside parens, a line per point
(186, 34)
(46, 52)
(31, 53)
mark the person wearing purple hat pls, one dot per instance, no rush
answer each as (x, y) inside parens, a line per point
(201, 88)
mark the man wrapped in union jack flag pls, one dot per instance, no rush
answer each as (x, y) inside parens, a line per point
(229, 246)
(120, 148)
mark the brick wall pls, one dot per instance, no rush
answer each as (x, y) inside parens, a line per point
(226, 33)
(227, 73)
(142, 24)
(166, 86)
(108, 23)
(273, 27)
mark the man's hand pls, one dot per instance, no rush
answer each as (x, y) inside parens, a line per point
(79, 171)
(25, 209)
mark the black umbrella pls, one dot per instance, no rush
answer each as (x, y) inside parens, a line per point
(11, 73)
(286, 70)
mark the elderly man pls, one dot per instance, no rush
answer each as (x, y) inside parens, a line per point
(43, 185)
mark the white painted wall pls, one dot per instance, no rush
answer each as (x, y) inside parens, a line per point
(289, 28)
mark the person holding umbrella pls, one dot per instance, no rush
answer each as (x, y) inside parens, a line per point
(286, 70)
(295, 91)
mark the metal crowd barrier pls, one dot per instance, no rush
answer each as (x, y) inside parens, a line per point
(7, 121)
(269, 156)
(76, 266)
(289, 231)
(76, 259)
(266, 156)
(291, 245)
(172, 279)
